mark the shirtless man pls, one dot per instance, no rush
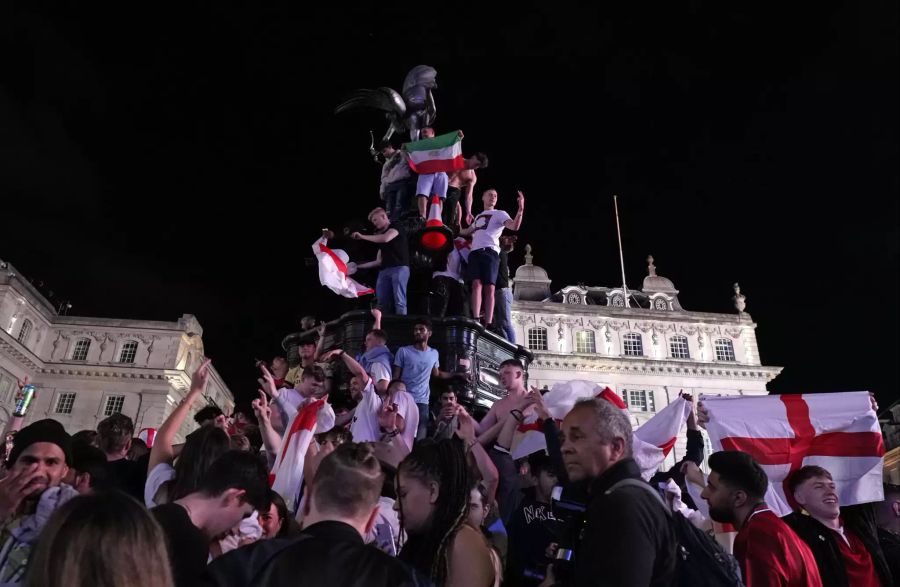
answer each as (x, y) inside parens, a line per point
(460, 185)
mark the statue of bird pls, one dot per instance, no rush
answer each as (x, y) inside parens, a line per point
(412, 111)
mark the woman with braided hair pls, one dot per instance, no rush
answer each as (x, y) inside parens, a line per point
(433, 484)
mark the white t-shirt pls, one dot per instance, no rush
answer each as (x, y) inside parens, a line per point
(378, 372)
(365, 419)
(159, 475)
(407, 408)
(488, 228)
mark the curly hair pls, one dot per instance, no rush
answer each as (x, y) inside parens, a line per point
(442, 462)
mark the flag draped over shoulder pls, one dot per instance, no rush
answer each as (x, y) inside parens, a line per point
(440, 153)
(288, 469)
(836, 431)
(651, 442)
(333, 271)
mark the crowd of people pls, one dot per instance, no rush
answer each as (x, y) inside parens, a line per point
(470, 278)
(360, 467)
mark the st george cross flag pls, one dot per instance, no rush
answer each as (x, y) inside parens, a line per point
(651, 443)
(288, 469)
(836, 431)
(440, 153)
(333, 271)
(657, 436)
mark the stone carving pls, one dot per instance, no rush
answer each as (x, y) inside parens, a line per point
(644, 327)
(595, 324)
(55, 345)
(550, 321)
(689, 330)
(734, 333)
(651, 268)
(740, 300)
(523, 319)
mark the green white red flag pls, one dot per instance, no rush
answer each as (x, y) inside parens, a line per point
(440, 153)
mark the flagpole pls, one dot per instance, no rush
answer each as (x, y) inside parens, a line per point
(621, 257)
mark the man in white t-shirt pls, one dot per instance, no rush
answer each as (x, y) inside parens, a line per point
(484, 260)
(378, 417)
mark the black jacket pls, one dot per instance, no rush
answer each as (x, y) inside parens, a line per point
(890, 547)
(823, 544)
(627, 537)
(329, 554)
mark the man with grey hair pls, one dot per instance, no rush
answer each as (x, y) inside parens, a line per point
(627, 538)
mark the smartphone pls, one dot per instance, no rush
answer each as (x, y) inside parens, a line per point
(384, 538)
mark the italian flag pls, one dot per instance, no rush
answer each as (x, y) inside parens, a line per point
(441, 153)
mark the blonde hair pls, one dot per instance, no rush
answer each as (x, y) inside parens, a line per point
(376, 211)
(102, 541)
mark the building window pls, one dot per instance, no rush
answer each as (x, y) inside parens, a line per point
(633, 345)
(129, 351)
(641, 400)
(5, 386)
(724, 350)
(584, 342)
(82, 346)
(24, 331)
(537, 339)
(64, 403)
(113, 405)
(678, 347)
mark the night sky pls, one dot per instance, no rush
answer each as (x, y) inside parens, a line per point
(158, 160)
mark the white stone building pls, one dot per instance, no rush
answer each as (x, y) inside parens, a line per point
(647, 350)
(88, 368)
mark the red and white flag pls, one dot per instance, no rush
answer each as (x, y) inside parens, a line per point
(288, 470)
(333, 271)
(654, 440)
(836, 431)
(651, 443)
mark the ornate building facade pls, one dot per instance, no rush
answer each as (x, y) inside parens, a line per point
(641, 343)
(86, 369)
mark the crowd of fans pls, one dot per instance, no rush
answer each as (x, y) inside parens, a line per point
(397, 483)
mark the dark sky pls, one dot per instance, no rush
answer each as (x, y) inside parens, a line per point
(156, 160)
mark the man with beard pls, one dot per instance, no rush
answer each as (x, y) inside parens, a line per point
(767, 549)
(31, 492)
(415, 365)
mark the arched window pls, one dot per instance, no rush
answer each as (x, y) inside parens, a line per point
(724, 350)
(633, 345)
(129, 351)
(678, 347)
(537, 339)
(25, 331)
(584, 342)
(82, 346)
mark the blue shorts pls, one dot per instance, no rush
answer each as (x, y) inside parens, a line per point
(432, 184)
(483, 265)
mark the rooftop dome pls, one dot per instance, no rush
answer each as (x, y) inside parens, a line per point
(530, 282)
(654, 283)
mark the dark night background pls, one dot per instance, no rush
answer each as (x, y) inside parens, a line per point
(158, 160)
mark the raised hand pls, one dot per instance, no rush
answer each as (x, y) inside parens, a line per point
(320, 329)
(539, 407)
(330, 355)
(466, 429)
(17, 485)
(261, 407)
(268, 381)
(200, 377)
(520, 200)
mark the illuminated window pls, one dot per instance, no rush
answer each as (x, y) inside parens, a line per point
(64, 403)
(584, 342)
(25, 331)
(678, 347)
(113, 405)
(537, 339)
(724, 350)
(641, 400)
(129, 351)
(82, 346)
(633, 345)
